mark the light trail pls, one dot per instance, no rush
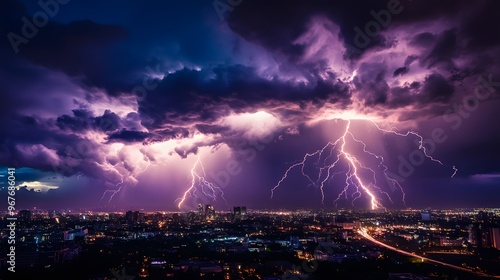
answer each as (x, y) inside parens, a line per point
(363, 232)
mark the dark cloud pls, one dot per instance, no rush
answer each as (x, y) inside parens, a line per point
(211, 129)
(110, 121)
(190, 96)
(423, 40)
(406, 68)
(400, 71)
(128, 136)
(371, 84)
(477, 26)
(83, 120)
(80, 121)
(79, 49)
(278, 24)
(51, 151)
(436, 89)
(443, 50)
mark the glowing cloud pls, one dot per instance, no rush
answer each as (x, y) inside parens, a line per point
(38, 186)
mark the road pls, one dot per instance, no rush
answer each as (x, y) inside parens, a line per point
(363, 232)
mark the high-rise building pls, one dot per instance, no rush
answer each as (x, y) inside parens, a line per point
(51, 213)
(209, 212)
(495, 237)
(485, 238)
(200, 211)
(482, 216)
(134, 217)
(475, 235)
(426, 215)
(176, 218)
(129, 216)
(240, 212)
(140, 217)
(24, 216)
(191, 216)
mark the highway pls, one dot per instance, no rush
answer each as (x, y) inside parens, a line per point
(363, 232)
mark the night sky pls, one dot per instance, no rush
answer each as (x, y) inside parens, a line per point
(161, 105)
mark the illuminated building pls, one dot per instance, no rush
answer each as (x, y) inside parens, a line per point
(200, 211)
(426, 216)
(495, 237)
(240, 212)
(24, 216)
(209, 212)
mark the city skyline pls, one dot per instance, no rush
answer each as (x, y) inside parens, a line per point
(201, 244)
(375, 105)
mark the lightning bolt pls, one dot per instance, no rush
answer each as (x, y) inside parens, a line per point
(338, 150)
(420, 144)
(143, 170)
(113, 192)
(455, 170)
(120, 184)
(206, 187)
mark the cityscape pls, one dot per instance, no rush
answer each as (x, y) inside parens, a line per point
(258, 244)
(249, 139)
